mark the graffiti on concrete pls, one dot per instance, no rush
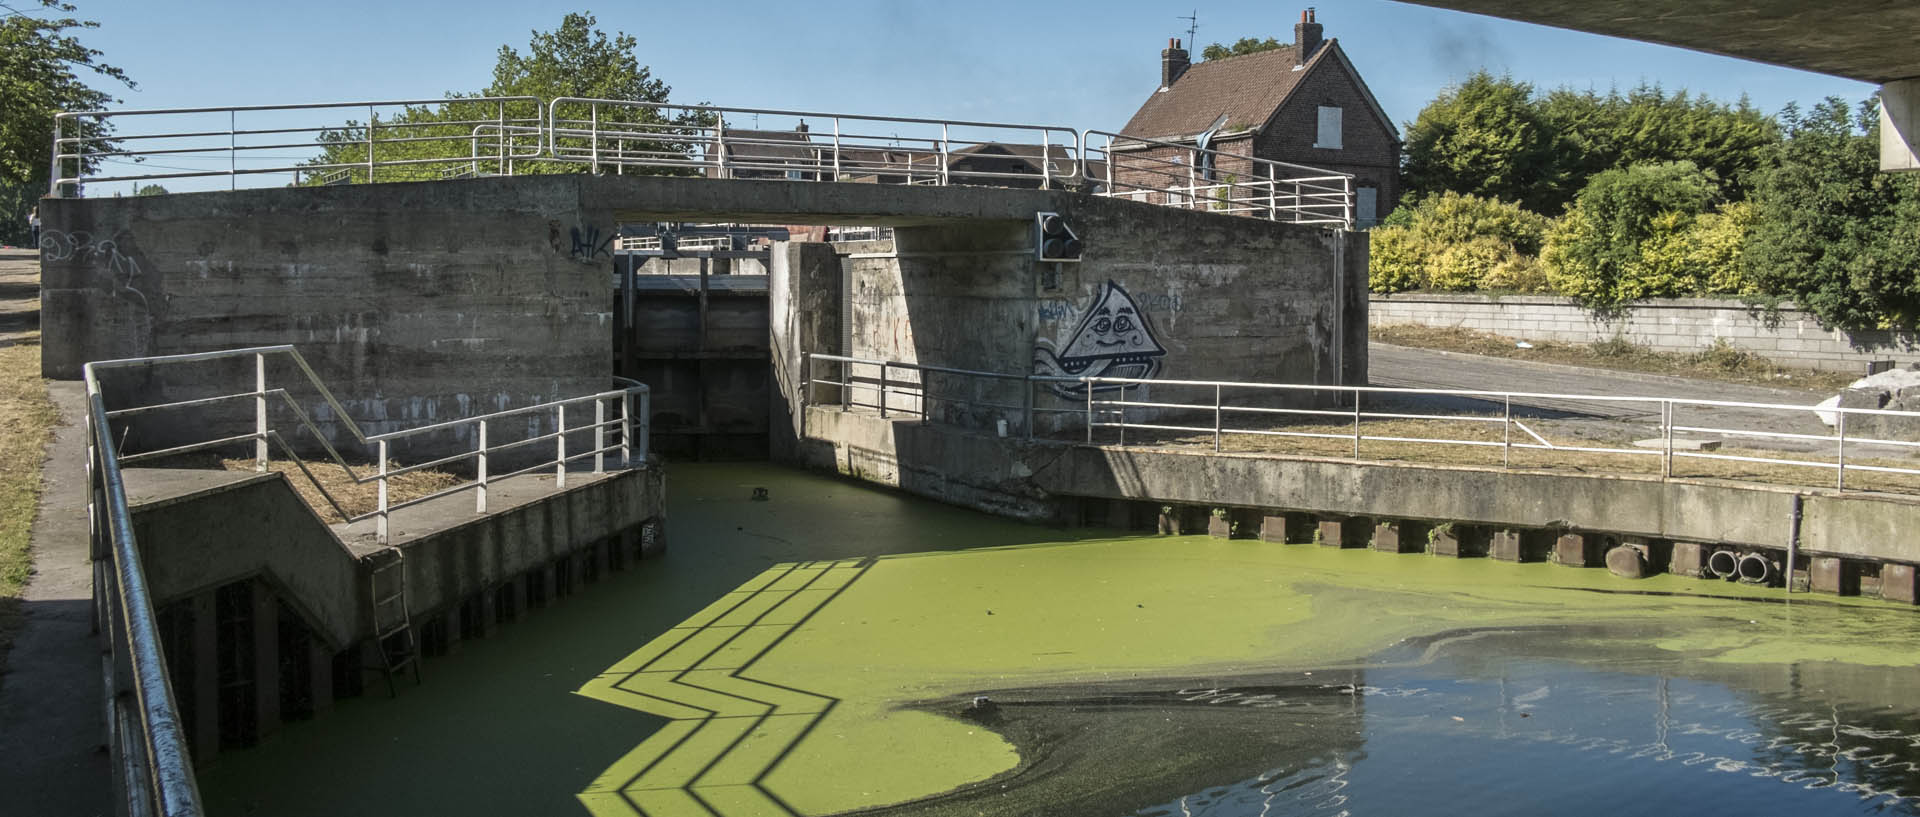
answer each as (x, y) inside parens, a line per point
(102, 254)
(589, 244)
(1114, 338)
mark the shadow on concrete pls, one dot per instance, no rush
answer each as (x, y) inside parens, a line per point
(52, 759)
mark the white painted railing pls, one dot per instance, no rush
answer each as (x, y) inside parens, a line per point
(1183, 175)
(416, 140)
(400, 140)
(620, 413)
(1108, 408)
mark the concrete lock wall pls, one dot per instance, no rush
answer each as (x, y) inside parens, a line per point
(1042, 481)
(1790, 336)
(415, 303)
(1160, 294)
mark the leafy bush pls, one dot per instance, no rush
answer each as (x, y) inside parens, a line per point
(1456, 242)
(1697, 256)
(1593, 253)
(1396, 259)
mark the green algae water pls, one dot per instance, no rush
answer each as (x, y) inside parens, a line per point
(839, 649)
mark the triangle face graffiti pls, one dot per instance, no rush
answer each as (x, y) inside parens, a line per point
(1113, 339)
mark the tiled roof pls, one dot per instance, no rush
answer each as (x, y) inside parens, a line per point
(1247, 89)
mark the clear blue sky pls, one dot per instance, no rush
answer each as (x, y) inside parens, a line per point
(1081, 65)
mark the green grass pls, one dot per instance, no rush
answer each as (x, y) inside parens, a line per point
(26, 419)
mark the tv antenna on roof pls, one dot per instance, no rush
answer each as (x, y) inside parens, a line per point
(1193, 28)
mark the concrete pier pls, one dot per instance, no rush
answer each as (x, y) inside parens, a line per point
(270, 607)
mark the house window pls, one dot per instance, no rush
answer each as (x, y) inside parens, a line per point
(1329, 136)
(1366, 207)
(797, 175)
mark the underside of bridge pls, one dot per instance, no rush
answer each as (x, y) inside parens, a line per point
(1865, 40)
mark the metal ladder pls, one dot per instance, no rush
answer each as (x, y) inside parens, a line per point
(392, 621)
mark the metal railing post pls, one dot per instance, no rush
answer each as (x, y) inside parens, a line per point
(1046, 160)
(380, 528)
(599, 436)
(560, 446)
(836, 148)
(1089, 385)
(1840, 458)
(1216, 418)
(1122, 406)
(945, 177)
(626, 429)
(593, 137)
(1666, 420)
(54, 172)
(1506, 435)
(883, 390)
(373, 135)
(1356, 424)
(480, 468)
(233, 150)
(260, 412)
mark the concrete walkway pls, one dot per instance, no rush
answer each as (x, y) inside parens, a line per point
(52, 754)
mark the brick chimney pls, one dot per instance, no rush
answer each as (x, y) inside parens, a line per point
(1306, 37)
(1173, 63)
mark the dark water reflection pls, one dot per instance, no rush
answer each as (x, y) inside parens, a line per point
(1503, 732)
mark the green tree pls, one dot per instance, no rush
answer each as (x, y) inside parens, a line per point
(574, 60)
(1594, 252)
(1482, 138)
(1240, 47)
(1830, 230)
(1648, 125)
(150, 190)
(44, 69)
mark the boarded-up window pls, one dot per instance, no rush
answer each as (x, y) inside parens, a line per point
(1366, 207)
(1329, 128)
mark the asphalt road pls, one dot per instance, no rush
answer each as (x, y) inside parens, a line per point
(1404, 367)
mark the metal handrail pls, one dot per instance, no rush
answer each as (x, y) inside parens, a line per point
(150, 756)
(833, 150)
(1194, 179)
(632, 426)
(80, 146)
(610, 134)
(1112, 413)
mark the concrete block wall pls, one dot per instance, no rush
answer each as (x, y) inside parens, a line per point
(1680, 325)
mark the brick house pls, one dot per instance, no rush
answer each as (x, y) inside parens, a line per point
(1302, 103)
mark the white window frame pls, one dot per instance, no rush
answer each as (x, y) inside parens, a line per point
(1329, 135)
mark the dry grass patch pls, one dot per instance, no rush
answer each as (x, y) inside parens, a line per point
(1723, 362)
(355, 498)
(26, 420)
